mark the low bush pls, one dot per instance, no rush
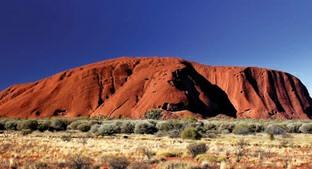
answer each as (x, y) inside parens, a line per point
(27, 124)
(258, 127)
(80, 162)
(118, 163)
(154, 114)
(25, 132)
(139, 165)
(306, 128)
(174, 133)
(107, 130)
(118, 125)
(210, 158)
(169, 125)
(84, 127)
(58, 125)
(74, 125)
(226, 128)
(10, 125)
(144, 152)
(190, 133)
(190, 119)
(293, 127)
(43, 126)
(145, 128)
(94, 128)
(275, 129)
(243, 129)
(177, 165)
(210, 126)
(66, 138)
(196, 149)
(127, 127)
(194, 124)
(168, 153)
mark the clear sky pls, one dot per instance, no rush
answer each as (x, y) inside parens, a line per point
(41, 37)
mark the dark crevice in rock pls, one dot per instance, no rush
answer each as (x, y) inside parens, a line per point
(59, 112)
(284, 87)
(37, 113)
(135, 65)
(190, 81)
(129, 72)
(112, 89)
(293, 86)
(100, 84)
(273, 94)
(62, 76)
(308, 111)
(252, 81)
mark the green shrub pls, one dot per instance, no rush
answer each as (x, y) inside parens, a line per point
(118, 163)
(145, 128)
(170, 133)
(190, 119)
(84, 127)
(27, 124)
(226, 128)
(293, 127)
(210, 126)
(190, 133)
(275, 129)
(107, 130)
(169, 125)
(43, 126)
(127, 127)
(94, 128)
(190, 123)
(74, 125)
(196, 149)
(243, 129)
(153, 114)
(174, 133)
(306, 128)
(117, 125)
(258, 127)
(10, 125)
(58, 125)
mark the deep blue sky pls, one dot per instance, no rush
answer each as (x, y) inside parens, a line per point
(42, 37)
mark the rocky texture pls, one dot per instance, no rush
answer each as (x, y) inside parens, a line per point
(128, 87)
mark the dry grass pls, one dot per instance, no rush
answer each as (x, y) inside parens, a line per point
(258, 151)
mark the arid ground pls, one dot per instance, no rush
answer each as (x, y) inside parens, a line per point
(56, 150)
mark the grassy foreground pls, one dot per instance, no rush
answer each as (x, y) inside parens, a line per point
(181, 144)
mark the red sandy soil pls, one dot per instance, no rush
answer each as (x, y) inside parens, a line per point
(127, 87)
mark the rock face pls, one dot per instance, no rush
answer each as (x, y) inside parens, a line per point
(128, 87)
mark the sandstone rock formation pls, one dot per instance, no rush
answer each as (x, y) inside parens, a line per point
(128, 87)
